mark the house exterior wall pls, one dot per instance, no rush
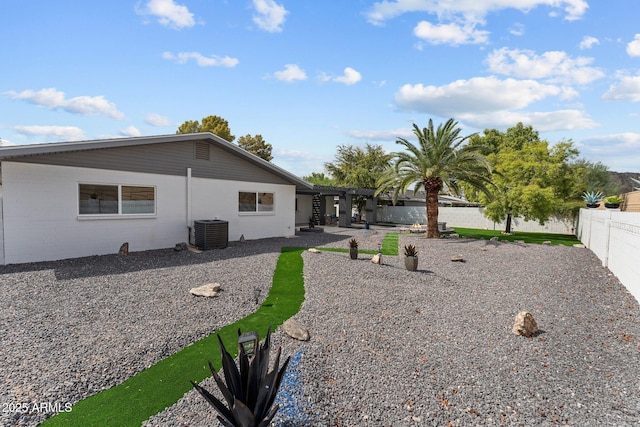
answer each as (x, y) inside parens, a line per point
(305, 208)
(41, 221)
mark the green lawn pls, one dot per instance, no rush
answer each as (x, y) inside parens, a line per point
(555, 239)
(389, 247)
(163, 384)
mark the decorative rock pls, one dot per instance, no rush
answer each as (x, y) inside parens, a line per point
(458, 258)
(525, 324)
(547, 242)
(124, 249)
(377, 259)
(241, 238)
(180, 247)
(314, 250)
(579, 245)
(454, 235)
(494, 239)
(296, 330)
(209, 290)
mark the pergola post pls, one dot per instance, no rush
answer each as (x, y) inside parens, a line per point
(344, 206)
(370, 210)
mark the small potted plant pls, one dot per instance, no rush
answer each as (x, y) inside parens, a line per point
(410, 257)
(353, 248)
(312, 222)
(592, 198)
(612, 202)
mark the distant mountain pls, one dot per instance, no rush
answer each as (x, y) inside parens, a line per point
(623, 179)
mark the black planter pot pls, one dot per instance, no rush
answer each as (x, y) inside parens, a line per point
(353, 253)
(593, 205)
(612, 205)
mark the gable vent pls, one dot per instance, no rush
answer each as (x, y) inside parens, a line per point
(201, 151)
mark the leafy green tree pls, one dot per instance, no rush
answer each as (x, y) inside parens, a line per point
(531, 180)
(441, 159)
(256, 145)
(359, 168)
(319, 179)
(590, 176)
(214, 124)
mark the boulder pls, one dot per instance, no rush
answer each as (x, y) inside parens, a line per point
(494, 239)
(314, 250)
(377, 259)
(525, 324)
(547, 242)
(180, 247)
(457, 258)
(209, 290)
(124, 249)
(579, 245)
(296, 330)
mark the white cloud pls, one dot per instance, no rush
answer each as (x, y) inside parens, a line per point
(553, 66)
(201, 60)
(84, 105)
(169, 14)
(621, 152)
(5, 143)
(476, 95)
(633, 48)
(588, 42)
(130, 131)
(452, 34)
(290, 73)
(543, 121)
(628, 89)
(381, 135)
(270, 16)
(469, 10)
(54, 133)
(517, 29)
(349, 77)
(157, 120)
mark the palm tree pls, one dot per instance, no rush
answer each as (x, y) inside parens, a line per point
(440, 160)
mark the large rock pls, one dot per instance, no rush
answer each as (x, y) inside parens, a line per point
(209, 290)
(457, 258)
(296, 330)
(525, 324)
(124, 249)
(377, 259)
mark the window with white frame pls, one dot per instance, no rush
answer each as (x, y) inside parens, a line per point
(106, 199)
(255, 202)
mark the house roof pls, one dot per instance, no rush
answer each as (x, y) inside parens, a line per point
(21, 151)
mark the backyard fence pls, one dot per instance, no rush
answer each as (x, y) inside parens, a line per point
(464, 217)
(614, 237)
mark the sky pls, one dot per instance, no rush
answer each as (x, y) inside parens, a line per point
(312, 75)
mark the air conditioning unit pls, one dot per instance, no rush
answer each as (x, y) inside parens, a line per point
(211, 234)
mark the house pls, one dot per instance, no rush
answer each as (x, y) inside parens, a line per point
(74, 199)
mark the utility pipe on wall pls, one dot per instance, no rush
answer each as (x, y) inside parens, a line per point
(189, 220)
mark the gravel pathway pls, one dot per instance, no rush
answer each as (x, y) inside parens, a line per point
(389, 347)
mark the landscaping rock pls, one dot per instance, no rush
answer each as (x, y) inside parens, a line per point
(296, 330)
(377, 259)
(579, 245)
(209, 290)
(494, 239)
(547, 242)
(181, 247)
(457, 258)
(314, 250)
(124, 249)
(525, 324)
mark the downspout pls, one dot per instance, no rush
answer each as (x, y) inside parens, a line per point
(189, 220)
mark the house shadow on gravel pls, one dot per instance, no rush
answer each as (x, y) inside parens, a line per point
(113, 264)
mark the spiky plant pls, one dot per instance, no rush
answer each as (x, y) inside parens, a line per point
(353, 244)
(250, 391)
(410, 250)
(592, 196)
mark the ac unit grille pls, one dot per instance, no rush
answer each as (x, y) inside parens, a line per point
(211, 234)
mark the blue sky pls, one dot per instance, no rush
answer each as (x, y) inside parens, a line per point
(311, 75)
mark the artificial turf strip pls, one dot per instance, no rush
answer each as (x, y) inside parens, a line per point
(527, 237)
(390, 244)
(345, 250)
(163, 384)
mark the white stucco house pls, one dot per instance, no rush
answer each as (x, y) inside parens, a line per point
(74, 199)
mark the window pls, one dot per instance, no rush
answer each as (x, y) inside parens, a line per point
(100, 199)
(255, 202)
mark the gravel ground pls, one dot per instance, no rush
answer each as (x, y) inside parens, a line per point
(389, 347)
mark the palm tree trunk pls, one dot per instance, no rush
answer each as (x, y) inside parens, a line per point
(432, 214)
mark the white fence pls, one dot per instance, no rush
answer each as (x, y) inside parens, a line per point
(466, 218)
(614, 237)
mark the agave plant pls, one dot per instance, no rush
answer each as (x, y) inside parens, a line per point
(592, 197)
(353, 244)
(410, 250)
(250, 391)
